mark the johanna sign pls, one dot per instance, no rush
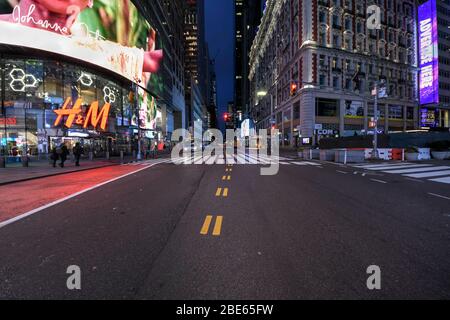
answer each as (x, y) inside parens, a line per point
(75, 115)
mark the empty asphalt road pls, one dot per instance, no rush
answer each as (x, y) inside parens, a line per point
(226, 232)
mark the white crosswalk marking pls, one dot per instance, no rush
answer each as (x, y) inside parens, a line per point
(442, 180)
(412, 170)
(300, 163)
(312, 163)
(417, 170)
(366, 166)
(394, 167)
(429, 174)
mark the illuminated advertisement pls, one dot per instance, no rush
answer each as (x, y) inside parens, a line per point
(354, 109)
(428, 53)
(148, 112)
(107, 33)
(428, 118)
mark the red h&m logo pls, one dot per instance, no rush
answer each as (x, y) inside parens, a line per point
(75, 114)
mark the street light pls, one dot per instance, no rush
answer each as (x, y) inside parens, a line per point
(261, 93)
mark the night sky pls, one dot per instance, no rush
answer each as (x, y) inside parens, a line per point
(219, 27)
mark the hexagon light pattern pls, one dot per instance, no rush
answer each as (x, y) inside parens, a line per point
(21, 80)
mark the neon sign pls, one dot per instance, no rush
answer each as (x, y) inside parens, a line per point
(8, 121)
(75, 115)
(20, 80)
(428, 53)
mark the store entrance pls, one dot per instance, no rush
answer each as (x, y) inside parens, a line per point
(97, 146)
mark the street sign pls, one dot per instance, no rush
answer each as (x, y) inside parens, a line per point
(382, 92)
(326, 132)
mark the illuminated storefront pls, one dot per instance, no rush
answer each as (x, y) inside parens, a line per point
(68, 80)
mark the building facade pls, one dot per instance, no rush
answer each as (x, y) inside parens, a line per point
(314, 63)
(196, 57)
(63, 83)
(247, 17)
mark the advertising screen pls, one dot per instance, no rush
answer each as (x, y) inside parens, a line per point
(354, 109)
(428, 118)
(428, 53)
(111, 34)
(148, 112)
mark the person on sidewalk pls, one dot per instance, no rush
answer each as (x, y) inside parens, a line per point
(153, 149)
(54, 156)
(77, 152)
(63, 155)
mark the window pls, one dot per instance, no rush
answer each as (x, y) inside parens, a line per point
(335, 82)
(326, 107)
(395, 112)
(296, 111)
(322, 79)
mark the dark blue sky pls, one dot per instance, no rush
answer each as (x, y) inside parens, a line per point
(219, 20)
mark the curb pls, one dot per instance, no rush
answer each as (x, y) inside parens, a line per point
(61, 173)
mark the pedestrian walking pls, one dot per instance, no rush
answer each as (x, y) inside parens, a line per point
(54, 156)
(63, 154)
(77, 152)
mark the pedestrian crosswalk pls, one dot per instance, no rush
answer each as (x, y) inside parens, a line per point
(239, 159)
(430, 172)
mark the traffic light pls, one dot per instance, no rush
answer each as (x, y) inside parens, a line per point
(225, 117)
(294, 87)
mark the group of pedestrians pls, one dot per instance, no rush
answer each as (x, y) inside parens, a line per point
(61, 152)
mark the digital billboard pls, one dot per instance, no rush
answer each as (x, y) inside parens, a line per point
(428, 53)
(148, 112)
(111, 34)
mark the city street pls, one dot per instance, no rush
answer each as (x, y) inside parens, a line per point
(226, 232)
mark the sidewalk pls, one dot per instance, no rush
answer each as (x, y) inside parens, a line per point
(43, 169)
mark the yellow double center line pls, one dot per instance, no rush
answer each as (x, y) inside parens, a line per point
(220, 193)
(217, 226)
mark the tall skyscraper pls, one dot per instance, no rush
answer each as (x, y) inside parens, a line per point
(212, 106)
(247, 19)
(196, 57)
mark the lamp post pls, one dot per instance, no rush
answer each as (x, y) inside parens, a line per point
(136, 101)
(376, 93)
(375, 130)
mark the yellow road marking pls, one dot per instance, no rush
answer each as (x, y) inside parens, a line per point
(218, 192)
(225, 192)
(206, 225)
(218, 226)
